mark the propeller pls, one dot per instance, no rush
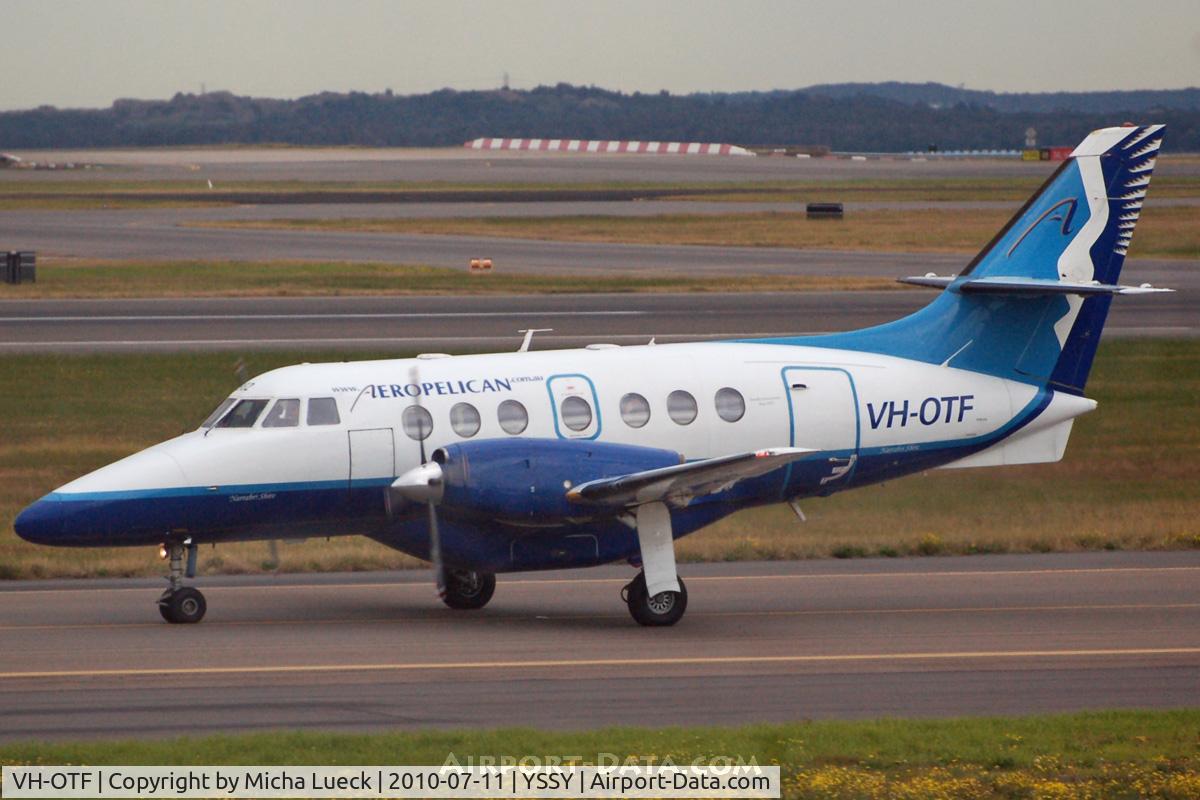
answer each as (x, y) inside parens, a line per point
(423, 484)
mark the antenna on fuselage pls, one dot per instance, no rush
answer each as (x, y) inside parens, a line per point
(528, 340)
(240, 372)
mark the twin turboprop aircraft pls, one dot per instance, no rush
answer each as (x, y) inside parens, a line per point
(544, 460)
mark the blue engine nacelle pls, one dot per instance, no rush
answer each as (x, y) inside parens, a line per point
(529, 478)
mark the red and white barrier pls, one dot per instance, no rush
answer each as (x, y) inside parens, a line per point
(593, 146)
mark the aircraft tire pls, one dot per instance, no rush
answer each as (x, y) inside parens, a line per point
(665, 608)
(184, 606)
(466, 590)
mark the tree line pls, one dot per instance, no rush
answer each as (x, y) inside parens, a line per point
(857, 117)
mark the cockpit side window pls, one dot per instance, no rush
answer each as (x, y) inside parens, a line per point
(216, 415)
(243, 414)
(284, 414)
(323, 411)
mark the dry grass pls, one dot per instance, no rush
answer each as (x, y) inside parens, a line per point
(1124, 484)
(1171, 232)
(92, 278)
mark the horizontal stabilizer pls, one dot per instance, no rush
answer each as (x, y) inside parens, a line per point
(1029, 286)
(930, 281)
(681, 482)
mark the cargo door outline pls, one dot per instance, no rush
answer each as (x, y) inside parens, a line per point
(841, 467)
(578, 385)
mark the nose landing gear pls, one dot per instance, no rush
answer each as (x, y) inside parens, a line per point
(179, 604)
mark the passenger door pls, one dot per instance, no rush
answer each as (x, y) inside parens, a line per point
(824, 416)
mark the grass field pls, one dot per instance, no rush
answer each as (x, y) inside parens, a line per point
(1163, 232)
(22, 192)
(88, 278)
(1121, 754)
(1128, 480)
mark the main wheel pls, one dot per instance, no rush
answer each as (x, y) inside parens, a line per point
(468, 590)
(182, 607)
(664, 608)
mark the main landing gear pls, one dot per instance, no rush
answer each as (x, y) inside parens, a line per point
(658, 610)
(657, 596)
(468, 590)
(179, 604)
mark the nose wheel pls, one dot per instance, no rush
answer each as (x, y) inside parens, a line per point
(659, 610)
(179, 604)
(182, 606)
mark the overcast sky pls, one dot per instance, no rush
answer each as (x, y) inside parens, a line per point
(86, 54)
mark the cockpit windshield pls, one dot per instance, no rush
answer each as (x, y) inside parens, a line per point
(243, 414)
(216, 415)
(284, 414)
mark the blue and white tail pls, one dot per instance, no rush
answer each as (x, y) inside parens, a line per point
(1032, 304)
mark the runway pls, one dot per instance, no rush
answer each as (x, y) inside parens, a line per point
(488, 323)
(761, 642)
(113, 235)
(454, 165)
(479, 323)
(458, 165)
(158, 234)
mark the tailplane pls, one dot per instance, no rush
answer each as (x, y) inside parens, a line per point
(1032, 304)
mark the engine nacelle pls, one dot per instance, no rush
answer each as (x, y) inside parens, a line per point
(522, 478)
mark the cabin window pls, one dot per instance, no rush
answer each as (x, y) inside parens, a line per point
(243, 414)
(464, 419)
(216, 415)
(417, 422)
(284, 414)
(513, 417)
(731, 406)
(576, 413)
(681, 407)
(323, 411)
(635, 410)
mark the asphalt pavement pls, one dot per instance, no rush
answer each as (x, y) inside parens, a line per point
(490, 323)
(761, 642)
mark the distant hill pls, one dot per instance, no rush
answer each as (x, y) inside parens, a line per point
(938, 94)
(865, 117)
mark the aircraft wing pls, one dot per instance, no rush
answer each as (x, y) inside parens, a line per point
(681, 482)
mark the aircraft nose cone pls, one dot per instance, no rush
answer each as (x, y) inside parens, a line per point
(41, 522)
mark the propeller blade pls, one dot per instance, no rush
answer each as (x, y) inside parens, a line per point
(425, 483)
(435, 550)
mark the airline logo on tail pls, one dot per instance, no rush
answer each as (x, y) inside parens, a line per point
(1138, 166)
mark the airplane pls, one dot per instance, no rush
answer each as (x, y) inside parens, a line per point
(533, 460)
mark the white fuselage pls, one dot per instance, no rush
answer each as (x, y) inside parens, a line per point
(806, 397)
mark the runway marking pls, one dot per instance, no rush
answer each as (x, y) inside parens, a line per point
(381, 315)
(681, 661)
(399, 340)
(690, 579)
(808, 612)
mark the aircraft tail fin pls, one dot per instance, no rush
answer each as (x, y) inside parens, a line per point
(1031, 305)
